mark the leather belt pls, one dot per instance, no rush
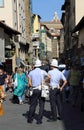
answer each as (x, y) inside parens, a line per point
(38, 87)
(53, 87)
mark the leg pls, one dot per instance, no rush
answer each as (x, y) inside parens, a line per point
(53, 104)
(41, 110)
(20, 100)
(59, 106)
(75, 95)
(33, 104)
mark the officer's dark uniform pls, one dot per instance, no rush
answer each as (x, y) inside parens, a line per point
(55, 101)
(36, 77)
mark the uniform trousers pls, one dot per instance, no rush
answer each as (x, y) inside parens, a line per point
(55, 103)
(35, 98)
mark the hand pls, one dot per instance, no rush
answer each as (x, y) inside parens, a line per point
(61, 88)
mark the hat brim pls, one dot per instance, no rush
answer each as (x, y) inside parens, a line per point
(37, 65)
(54, 65)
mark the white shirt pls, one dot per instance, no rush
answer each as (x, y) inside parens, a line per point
(66, 73)
(55, 77)
(37, 76)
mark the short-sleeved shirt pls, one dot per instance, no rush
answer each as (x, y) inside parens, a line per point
(55, 77)
(66, 73)
(37, 76)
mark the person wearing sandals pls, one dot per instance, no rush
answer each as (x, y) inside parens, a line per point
(22, 83)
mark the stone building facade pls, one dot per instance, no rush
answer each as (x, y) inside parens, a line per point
(72, 13)
(54, 26)
(17, 15)
(28, 15)
(79, 29)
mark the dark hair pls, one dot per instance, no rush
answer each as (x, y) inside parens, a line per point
(16, 69)
(2, 68)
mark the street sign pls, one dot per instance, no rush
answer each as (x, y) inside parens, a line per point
(35, 35)
(36, 44)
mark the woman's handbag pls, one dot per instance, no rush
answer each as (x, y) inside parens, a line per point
(15, 82)
(29, 92)
(45, 91)
(44, 88)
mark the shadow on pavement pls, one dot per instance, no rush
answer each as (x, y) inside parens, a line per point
(73, 118)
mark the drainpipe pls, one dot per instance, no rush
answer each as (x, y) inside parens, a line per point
(17, 49)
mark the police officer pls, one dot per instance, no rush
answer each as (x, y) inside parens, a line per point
(55, 89)
(35, 81)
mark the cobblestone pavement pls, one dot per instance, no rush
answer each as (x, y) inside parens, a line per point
(15, 118)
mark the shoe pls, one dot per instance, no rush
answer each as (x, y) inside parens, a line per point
(51, 120)
(39, 122)
(59, 118)
(21, 102)
(29, 121)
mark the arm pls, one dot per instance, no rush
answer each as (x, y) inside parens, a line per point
(47, 78)
(63, 85)
(64, 82)
(30, 82)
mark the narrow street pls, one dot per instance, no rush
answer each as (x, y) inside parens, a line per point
(47, 35)
(15, 118)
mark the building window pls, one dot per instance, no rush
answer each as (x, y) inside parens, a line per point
(52, 30)
(1, 3)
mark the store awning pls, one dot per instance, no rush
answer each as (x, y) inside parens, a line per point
(78, 26)
(8, 29)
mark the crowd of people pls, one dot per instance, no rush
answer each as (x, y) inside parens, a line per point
(64, 85)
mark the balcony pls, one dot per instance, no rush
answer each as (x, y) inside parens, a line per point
(35, 35)
(36, 44)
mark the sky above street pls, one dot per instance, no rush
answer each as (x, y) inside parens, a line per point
(46, 8)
